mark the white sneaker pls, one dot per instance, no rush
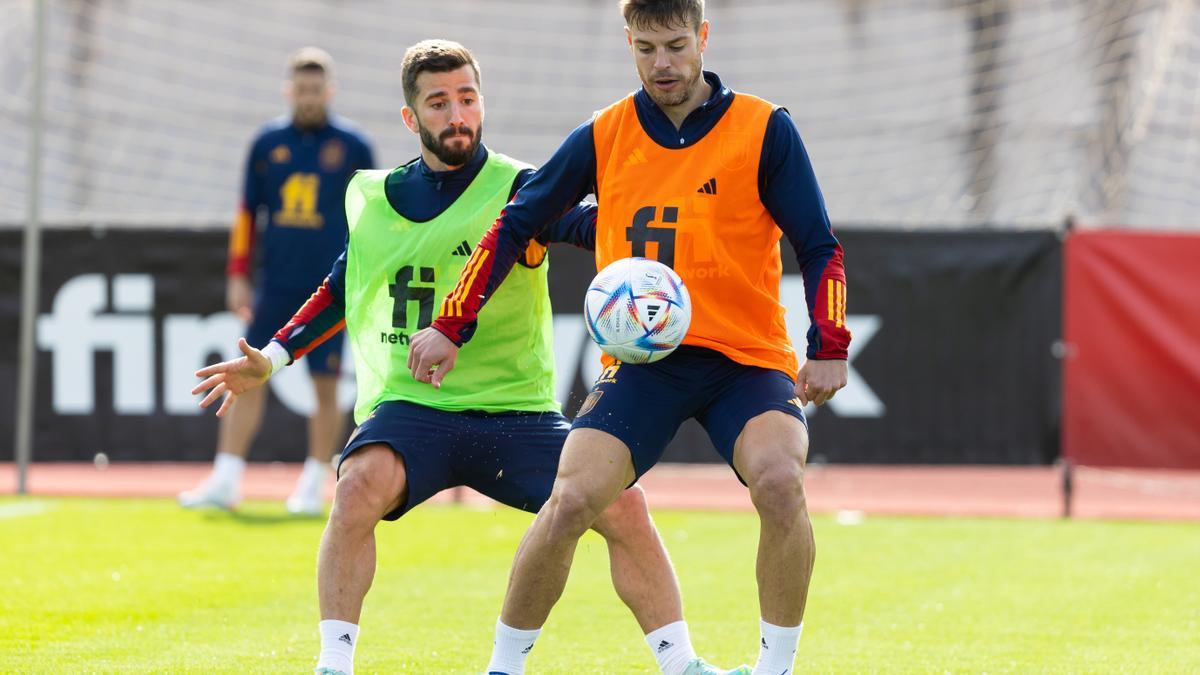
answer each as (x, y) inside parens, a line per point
(211, 493)
(306, 500)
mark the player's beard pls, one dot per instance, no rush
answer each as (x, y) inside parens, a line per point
(447, 154)
(675, 98)
(310, 117)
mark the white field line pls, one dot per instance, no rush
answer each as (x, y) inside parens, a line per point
(22, 509)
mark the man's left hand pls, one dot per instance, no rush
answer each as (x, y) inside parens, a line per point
(820, 380)
(431, 356)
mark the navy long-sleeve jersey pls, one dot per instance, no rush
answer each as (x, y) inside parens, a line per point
(295, 187)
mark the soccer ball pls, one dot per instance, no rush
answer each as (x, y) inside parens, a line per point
(637, 310)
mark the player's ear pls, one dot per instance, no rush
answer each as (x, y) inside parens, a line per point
(629, 38)
(286, 89)
(703, 36)
(410, 118)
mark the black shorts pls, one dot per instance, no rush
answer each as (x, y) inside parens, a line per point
(511, 457)
(643, 405)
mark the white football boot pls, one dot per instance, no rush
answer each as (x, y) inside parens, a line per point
(307, 499)
(212, 493)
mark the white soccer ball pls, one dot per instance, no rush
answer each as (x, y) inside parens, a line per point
(637, 310)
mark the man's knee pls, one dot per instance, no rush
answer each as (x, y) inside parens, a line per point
(778, 493)
(627, 516)
(371, 484)
(571, 510)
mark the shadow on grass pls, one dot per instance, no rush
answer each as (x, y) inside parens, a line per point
(261, 517)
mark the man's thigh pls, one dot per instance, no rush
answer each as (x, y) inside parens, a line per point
(747, 394)
(643, 405)
(424, 438)
(512, 457)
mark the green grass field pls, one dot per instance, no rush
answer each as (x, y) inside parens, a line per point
(141, 586)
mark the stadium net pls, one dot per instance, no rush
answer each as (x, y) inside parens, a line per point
(946, 113)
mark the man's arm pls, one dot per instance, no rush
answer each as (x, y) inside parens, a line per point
(317, 320)
(242, 236)
(790, 192)
(238, 290)
(788, 188)
(555, 189)
(576, 227)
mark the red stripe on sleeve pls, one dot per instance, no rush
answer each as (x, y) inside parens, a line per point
(292, 334)
(829, 310)
(460, 309)
(241, 243)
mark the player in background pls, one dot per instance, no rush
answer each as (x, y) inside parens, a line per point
(295, 182)
(705, 180)
(499, 430)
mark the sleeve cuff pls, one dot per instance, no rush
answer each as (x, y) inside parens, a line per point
(277, 354)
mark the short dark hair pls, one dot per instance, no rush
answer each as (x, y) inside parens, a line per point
(663, 13)
(433, 56)
(310, 60)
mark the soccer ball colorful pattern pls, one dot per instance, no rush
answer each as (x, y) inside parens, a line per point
(637, 310)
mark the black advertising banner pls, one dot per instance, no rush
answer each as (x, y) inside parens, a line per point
(951, 360)
(952, 357)
(126, 317)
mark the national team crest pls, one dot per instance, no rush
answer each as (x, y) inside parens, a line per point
(281, 154)
(333, 155)
(734, 147)
(589, 402)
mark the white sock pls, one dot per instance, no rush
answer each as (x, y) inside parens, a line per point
(510, 649)
(777, 653)
(672, 647)
(313, 474)
(337, 645)
(228, 468)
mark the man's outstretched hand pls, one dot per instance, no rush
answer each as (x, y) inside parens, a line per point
(230, 378)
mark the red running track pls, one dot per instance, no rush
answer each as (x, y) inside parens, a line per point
(1026, 492)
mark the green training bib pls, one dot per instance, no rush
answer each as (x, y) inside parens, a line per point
(397, 273)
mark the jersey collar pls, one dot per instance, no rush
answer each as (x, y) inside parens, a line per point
(463, 174)
(699, 122)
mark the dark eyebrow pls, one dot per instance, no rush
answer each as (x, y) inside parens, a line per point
(672, 41)
(438, 93)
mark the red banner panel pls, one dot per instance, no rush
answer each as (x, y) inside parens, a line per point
(1131, 391)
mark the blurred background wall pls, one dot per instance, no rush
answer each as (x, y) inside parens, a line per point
(917, 113)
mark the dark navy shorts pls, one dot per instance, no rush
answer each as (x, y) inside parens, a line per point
(643, 405)
(272, 310)
(511, 457)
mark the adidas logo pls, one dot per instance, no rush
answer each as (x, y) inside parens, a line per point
(764, 643)
(346, 638)
(652, 311)
(463, 249)
(664, 646)
(709, 188)
(635, 157)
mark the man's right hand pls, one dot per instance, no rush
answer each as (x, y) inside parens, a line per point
(230, 378)
(239, 297)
